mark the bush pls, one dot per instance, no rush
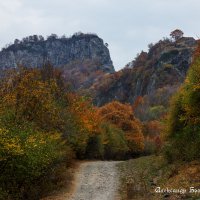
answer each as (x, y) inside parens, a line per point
(156, 112)
(115, 144)
(27, 155)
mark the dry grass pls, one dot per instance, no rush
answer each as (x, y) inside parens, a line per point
(140, 177)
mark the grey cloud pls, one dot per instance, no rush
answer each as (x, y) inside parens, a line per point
(128, 26)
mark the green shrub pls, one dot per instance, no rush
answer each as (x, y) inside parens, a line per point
(109, 144)
(184, 119)
(156, 112)
(115, 144)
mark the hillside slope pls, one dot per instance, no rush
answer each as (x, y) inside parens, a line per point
(165, 65)
(87, 66)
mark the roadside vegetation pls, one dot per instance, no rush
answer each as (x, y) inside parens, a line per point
(45, 127)
(175, 164)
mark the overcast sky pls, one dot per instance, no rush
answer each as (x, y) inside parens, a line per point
(128, 26)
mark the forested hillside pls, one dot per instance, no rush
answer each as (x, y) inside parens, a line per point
(174, 171)
(154, 75)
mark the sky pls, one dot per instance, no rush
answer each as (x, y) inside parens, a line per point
(128, 26)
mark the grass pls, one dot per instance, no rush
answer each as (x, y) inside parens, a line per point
(140, 177)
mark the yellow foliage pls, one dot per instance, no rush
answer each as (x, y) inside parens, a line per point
(9, 146)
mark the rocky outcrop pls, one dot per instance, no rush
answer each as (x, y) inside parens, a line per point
(165, 65)
(31, 52)
(83, 57)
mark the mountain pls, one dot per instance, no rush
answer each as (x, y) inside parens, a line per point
(85, 60)
(83, 57)
(155, 74)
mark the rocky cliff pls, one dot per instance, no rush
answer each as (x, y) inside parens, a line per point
(163, 66)
(82, 56)
(87, 66)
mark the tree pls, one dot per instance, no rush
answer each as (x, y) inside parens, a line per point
(184, 117)
(63, 37)
(31, 99)
(32, 120)
(16, 41)
(121, 115)
(83, 123)
(176, 34)
(150, 45)
(139, 100)
(141, 59)
(41, 38)
(52, 37)
(79, 33)
(47, 71)
(35, 38)
(114, 142)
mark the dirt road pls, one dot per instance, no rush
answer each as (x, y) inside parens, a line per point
(96, 180)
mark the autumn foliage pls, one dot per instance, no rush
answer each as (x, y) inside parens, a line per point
(121, 115)
(184, 117)
(31, 125)
(44, 126)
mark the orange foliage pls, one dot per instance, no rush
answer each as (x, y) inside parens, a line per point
(139, 100)
(86, 113)
(121, 115)
(153, 128)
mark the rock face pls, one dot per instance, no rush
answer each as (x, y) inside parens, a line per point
(83, 57)
(165, 65)
(31, 52)
(87, 66)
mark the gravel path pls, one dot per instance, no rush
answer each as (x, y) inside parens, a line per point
(96, 180)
